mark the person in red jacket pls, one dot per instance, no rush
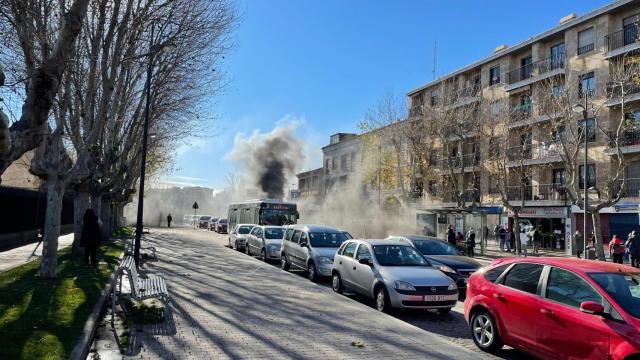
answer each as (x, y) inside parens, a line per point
(616, 249)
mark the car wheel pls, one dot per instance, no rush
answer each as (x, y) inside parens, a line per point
(312, 272)
(382, 300)
(284, 264)
(336, 283)
(444, 311)
(237, 246)
(485, 332)
(263, 255)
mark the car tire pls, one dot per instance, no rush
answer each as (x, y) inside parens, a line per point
(312, 272)
(484, 332)
(336, 283)
(236, 246)
(284, 264)
(263, 255)
(382, 300)
(444, 311)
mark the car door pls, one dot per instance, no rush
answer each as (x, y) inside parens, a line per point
(346, 263)
(362, 274)
(563, 328)
(260, 240)
(517, 303)
(294, 249)
(304, 250)
(251, 239)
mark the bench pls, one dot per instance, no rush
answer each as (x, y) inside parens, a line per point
(141, 289)
(129, 248)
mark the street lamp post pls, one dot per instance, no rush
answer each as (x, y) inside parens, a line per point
(580, 108)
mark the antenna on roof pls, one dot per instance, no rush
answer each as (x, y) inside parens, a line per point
(433, 71)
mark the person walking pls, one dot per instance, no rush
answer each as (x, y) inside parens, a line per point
(616, 249)
(459, 237)
(90, 237)
(578, 240)
(471, 242)
(496, 231)
(536, 237)
(511, 246)
(169, 219)
(451, 236)
(633, 249)
(507, 241)
(523, 242)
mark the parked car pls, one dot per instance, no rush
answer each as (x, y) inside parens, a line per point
(221, 226)
(556, 308)
(394, 274)
(444, 256)
(238, 236)
(265, 241)
(212, 223)
(203, 221)
(311, 248)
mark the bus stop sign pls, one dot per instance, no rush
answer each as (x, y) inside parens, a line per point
(195, 205)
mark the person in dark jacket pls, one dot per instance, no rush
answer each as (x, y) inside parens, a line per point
(90, 239)
(451, 236)
(633, 247)
(169, 219)
(471, 242)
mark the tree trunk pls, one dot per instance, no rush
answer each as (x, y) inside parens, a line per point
(80, 205)
(597, 235)
(516, 231)
(105, 215)
(51, 231)
(96, 205)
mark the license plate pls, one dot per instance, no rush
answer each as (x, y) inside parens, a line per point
(434, 298)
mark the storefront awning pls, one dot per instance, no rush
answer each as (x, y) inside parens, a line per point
(627, 204)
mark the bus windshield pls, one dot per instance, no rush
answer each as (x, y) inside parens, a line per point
(277, 217)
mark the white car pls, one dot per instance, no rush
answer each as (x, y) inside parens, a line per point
(265, 241)
(238, 236)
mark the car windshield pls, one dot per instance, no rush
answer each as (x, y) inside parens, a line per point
(205, 217)
(273, 233)
(222, 221)
(244, 229)
(398, 255)
(435, 247)
(327, 239)
(623, 287)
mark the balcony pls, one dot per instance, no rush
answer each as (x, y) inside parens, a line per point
(416, 111)
(629, 141)
(621, 41)
(458, 163)
(530, 73)
(538, 192)
(533, 154)
(520, 113)
(586, 48)
(631, 187)
(468, 196)
(631, 91)
(464, 96)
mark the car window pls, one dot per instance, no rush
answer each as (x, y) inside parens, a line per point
(341, 249)
(327, 239)
(623, 287)
(436, 247)
(349, 249)
(244, 230)
(363, 252)
(289, 235)
(254, 230)
(259, 233)
(493, 274)
(304, 239)
(273, 233)
(568, 288)
(399, 255)
(296, 236)
(524, 277)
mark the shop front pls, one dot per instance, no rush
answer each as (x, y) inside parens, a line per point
(554, 224)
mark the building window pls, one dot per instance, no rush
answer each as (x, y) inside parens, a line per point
(494, 75)
(591, 129)
(558, 134)
(630, 29)
(559, 177)
(587, 85)
(493, 185)
(586, 41)
(433, 187)
(557, 56)
(434, 100)
(334, 164)
(525, 67)
(327, 165)
(353, 161)
(591, 176)
(495, 108)
(343, 162)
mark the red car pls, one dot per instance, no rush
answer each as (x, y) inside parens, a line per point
(556, 308)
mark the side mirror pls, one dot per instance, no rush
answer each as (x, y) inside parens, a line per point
(592, 307)
(366, 261)
(304, 244)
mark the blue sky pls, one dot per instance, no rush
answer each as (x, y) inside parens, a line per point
(322, 64)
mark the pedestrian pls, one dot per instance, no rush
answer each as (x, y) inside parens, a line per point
(451, 236)
(511, 244)
(486, 233)
(425, 230)
(90, 237)
(502, 234)
(633, 249)
(459, 237)
(578, 240)
(496, 230)
(616, 249)
(169, 219)
(536, 237)
(523, 242)
(471, 242)
(507, 242)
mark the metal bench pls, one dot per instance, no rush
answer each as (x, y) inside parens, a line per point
(153, 287)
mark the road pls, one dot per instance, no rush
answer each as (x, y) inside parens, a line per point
(451, 327)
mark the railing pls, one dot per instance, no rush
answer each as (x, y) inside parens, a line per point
(621, 38)
(586, 48)
(631, 187)
(628, 137)
(537, 68)
(539, 151)
(536, 192)
(520, 112)
(415, 111)
(459, 161)
(615, 89)
(470, 91)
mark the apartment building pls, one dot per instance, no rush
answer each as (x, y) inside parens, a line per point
(583, 56)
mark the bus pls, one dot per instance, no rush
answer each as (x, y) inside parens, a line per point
(263, 212)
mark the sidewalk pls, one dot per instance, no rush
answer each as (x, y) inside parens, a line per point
(24, 254)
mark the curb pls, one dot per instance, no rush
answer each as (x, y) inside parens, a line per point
(81, 350)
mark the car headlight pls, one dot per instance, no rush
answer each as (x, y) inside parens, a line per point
(272, 247)
(325, 260)
(403, 285)
(452, 286)
(444, 268)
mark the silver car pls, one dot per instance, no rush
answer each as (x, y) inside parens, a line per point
(238, 236)
(265, 241)
(394, 274)
(311, 248)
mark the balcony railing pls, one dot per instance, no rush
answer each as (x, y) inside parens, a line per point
(539, 151)
(456, 95)
(628, 137)
(415, 111)
(586, 48)
(520, 112)
(535, 69)
(536, 192)
(631, 187)
(614, 89)
(621, 38)
(456, 162)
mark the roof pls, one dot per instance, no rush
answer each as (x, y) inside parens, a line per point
(582, 265)
(549, 33)
(375, 242)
